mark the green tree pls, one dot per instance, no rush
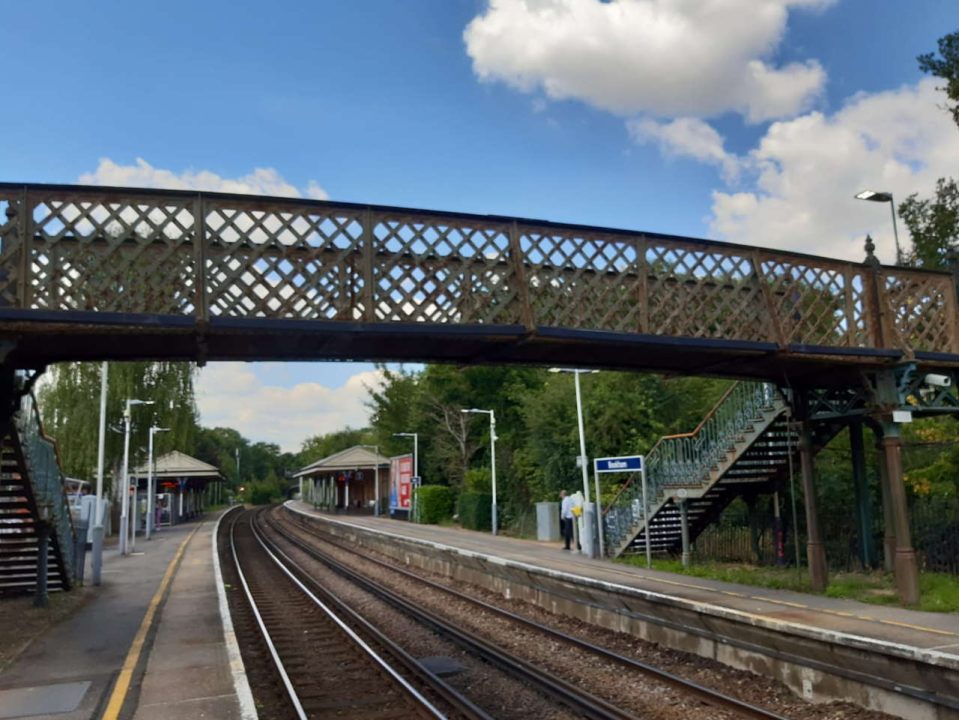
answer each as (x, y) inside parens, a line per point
(69, 403)
(946, 66)
(934, 223)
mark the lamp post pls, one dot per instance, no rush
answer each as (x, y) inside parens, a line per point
(97, 560)
(492, 452)
(125, 499)
(150, 492)
(874, 196)
(579, 420)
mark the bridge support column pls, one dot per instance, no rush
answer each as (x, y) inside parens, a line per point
(815, 551)
(906, 566)
(863, 499)
(888, 523)
(684, 526)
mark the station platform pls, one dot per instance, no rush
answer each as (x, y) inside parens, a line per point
(148, 644)
(803, 639)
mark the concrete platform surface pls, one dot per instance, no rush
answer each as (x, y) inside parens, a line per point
(77, 662)
(936, 632)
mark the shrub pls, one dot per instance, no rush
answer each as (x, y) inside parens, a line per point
(435, 503)
(261, 493)
(474, 510)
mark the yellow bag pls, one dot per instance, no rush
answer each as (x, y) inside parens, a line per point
(577, 510)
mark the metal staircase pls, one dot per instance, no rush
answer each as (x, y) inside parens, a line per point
(33, 504)
(741, 446)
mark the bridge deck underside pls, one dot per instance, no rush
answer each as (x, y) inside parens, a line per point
(55, 336)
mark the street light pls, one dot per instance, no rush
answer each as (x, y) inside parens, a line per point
(150, 492)
(416, 467)
(125, 499)
(579, 420)
(874, 196)
(492, 452)
(97, 560)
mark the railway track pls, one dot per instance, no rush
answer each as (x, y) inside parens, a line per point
(325, 667)
(704, 694)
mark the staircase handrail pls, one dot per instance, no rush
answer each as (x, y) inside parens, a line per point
(664, 438)
(43, 458)
(685, 460)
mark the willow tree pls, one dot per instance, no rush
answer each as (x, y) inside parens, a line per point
(69, 402)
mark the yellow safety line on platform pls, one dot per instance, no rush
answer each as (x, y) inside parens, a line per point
(120, 690)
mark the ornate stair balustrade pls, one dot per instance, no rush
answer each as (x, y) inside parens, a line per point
(692, 465)
(32, 487)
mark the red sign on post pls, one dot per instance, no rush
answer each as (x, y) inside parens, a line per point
(401, 482)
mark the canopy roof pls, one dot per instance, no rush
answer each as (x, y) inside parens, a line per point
(358, 456)
(177, 464)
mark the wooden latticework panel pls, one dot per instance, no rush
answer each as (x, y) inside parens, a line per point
(702, 292)
(208, 256)
(10, 250)
(108, 255)
(269, 260)
(816, 303)
(580, 280)
(429, 269)
(922, 307)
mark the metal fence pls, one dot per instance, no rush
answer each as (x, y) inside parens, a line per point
(935, 536)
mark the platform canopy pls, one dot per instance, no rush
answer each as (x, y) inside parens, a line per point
(358, 456)
(177, 465)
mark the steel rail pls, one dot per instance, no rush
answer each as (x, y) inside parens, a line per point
(554, 688)
(713, 697)
(420, 701)
(461, 702)
(277, 662)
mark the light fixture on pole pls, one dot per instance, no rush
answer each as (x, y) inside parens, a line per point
(125, 495)
(582, 434)
(874, 196)
(150, 490)
(492, 452)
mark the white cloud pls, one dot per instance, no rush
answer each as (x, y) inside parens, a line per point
(230, 394)
(663, 58)
(807, 170)
(262, 181)
(687, 137)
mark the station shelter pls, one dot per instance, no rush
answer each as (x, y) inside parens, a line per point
(183, 486)
(346, 481)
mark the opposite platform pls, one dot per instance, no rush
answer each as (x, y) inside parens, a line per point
(881, 657)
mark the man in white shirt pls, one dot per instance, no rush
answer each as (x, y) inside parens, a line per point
(566, 518)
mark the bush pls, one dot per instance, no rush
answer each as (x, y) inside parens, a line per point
(261, 493)
(435, 503)
(474, 510)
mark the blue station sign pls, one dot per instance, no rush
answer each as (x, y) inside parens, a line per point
(630, 463)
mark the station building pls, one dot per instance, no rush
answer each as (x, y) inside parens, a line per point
(348, 481)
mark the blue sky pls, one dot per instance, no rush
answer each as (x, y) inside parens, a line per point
(748, 120)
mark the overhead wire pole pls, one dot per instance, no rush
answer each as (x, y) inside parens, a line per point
(97, 559)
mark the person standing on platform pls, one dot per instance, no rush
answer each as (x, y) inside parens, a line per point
(566, 518)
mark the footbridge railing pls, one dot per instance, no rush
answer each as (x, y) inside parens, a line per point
(207, 256)
(46, 482)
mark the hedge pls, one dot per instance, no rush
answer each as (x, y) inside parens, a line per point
(435, 503)
(474, 510)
